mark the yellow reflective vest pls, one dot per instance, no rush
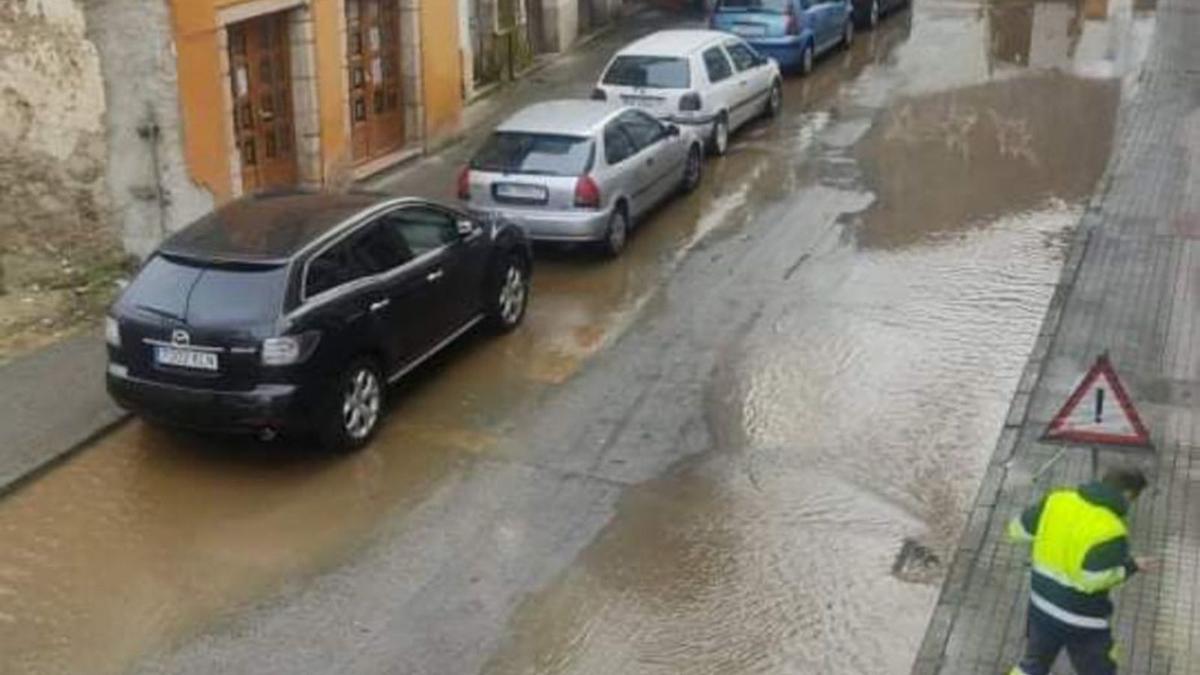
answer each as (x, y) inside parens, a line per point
(1080, 552)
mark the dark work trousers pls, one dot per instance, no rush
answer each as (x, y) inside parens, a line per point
(1091, 650)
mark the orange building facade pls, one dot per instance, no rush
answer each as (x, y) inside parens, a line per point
(298, 92)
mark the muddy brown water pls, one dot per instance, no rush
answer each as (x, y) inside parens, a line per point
(953, 149)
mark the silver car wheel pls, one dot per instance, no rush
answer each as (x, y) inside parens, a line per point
(775, 104)
(874, 18)
(512, 296)
(618, 231)
(361, 403)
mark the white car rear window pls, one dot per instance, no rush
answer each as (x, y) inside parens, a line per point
(652, 72)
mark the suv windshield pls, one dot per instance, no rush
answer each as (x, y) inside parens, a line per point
(655, 72)
(223, 295)
(541, 154)
(766, 6)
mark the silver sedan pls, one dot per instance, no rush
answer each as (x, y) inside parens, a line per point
(580, 171)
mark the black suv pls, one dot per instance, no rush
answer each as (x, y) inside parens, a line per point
(293, 310)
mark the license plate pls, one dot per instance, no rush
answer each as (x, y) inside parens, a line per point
(643, 102)
(525, 193)
(750, 29)
(185, 358)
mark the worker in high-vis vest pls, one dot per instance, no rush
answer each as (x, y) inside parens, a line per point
(1080, 553)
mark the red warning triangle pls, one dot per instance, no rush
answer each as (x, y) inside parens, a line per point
(1099, 412)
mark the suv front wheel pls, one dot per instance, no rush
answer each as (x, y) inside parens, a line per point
(353, 410)
(509, 294)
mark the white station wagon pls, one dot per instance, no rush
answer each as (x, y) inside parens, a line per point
(708, 80)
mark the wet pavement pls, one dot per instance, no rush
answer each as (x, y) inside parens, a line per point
(746, 446)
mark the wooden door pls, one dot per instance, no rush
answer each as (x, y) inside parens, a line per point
(373, 51)
(261, 81)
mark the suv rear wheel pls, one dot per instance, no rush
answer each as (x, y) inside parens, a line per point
(353, 410)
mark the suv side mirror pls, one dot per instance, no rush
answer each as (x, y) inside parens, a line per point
(466, 227)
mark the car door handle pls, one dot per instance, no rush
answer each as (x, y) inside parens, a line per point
(434, 276)
(380, 305)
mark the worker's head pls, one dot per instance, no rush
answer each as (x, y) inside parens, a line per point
(1129, 482)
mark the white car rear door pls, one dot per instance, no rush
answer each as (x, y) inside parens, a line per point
(721, 92)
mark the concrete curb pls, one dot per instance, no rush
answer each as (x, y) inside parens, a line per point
(53, 461)
(55, 405)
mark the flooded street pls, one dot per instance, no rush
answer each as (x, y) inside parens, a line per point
(747, 446)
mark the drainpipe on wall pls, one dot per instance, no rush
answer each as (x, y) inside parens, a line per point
(150, 132)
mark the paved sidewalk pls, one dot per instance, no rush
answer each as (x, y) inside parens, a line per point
(1131, 286)
(53, 401)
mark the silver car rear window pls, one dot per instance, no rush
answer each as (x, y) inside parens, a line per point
(531, 153)
(654, 72)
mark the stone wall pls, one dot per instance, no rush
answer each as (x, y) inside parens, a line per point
(54, 210)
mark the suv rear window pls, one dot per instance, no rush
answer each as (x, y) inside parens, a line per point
(765, 6)
(539, 154)
(180, 288)
(654, 72)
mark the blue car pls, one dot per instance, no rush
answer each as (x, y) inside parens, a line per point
(793, 32)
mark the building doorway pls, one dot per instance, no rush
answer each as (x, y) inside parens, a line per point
(586, 19)
(533, 25)
(373, 53)
(482, 22)
(263, 123)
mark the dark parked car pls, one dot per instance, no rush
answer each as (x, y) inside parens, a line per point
(292, 311)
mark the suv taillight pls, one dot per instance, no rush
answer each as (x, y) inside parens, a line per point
(587, 193)
(464, 183)
(690, 102)
(599, 94)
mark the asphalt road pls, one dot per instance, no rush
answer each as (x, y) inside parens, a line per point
(746, 446)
